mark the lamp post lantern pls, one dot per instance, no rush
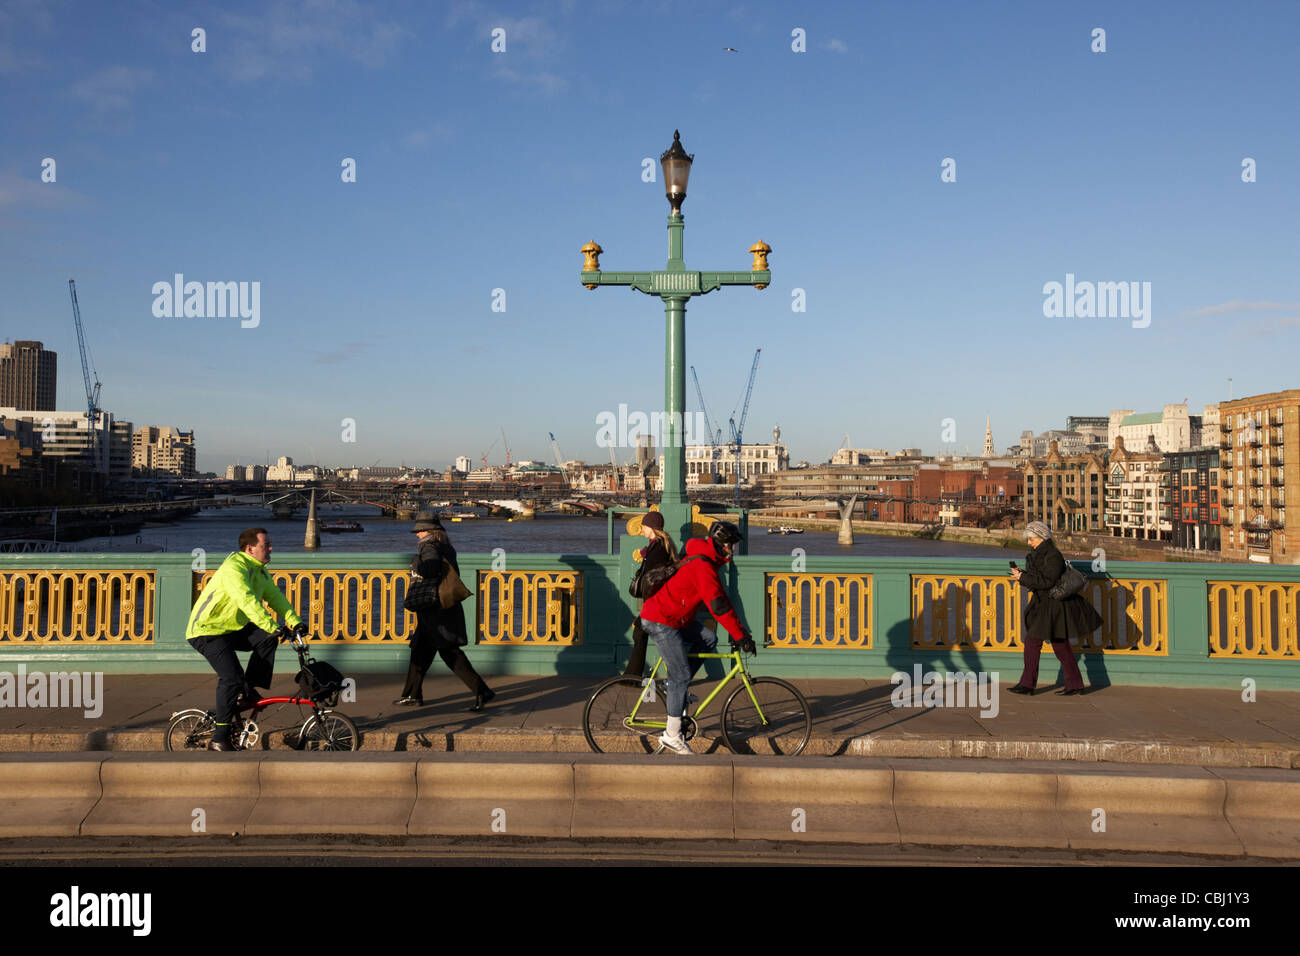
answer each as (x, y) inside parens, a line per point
(674, 284)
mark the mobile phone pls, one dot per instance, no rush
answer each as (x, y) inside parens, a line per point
(1013, 565)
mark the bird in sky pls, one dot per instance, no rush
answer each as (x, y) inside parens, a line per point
(730, 49)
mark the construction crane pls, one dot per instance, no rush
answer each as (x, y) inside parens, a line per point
(559, 459)
(737, 431)
(714, 439)
(87, 369)
(506, 443)
(483, 457)
(613, 469)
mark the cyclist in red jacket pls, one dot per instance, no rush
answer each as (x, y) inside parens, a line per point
(668, 616)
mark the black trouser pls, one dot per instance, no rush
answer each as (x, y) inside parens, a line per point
(636, 660)
(422, 654)
(220, 649)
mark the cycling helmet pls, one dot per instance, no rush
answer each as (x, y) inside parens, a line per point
(724, 533)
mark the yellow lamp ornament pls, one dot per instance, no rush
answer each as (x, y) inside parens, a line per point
(592, 263)
(760, 251)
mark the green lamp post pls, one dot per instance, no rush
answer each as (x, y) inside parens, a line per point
(675, 284)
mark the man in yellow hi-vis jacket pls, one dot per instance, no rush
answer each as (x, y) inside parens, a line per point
(229, 617)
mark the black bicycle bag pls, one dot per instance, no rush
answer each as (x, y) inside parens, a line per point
(321, 682)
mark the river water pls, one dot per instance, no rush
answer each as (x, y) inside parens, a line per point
(217, 531)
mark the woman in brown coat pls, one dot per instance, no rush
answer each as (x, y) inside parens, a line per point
(1046, 618)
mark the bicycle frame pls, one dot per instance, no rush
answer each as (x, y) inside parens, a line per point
(737, 668)
(258, 705)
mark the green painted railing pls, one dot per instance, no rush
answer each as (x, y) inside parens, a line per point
(1179, 624)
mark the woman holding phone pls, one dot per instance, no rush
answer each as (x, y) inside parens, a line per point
(1046, 618)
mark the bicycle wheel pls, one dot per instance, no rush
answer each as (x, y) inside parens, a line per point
(190, 730)
(607, 724)
(783, 728)
(328, 730)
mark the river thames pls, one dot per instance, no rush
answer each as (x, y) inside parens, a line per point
(217, 530)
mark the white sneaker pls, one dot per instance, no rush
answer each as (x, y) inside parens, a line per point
(677, 745)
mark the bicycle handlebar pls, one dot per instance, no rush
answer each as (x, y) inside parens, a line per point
(286, 635)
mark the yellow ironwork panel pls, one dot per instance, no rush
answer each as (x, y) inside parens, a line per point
(985, 613)
(1134, 615)
(343, 606)
(530, 607)
(1254, 619)
(821, 610)
(76, 607)
(971, 612)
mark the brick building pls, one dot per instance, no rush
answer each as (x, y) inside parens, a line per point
(1260, 477)
(1066, 492)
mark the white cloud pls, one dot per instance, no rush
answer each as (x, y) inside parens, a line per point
(423, 137)
(837, 46)
(534, 53)
(288, 37)
(349, 351)
(19, 19)
(112, 89)
(1238, 305)
(544, 82)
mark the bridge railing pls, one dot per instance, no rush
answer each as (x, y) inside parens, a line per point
(1190, 624)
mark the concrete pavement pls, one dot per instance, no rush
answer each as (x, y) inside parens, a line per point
(543, 714)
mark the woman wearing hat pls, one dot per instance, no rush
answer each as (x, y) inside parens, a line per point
(657, 553)
(1046, 618)
(438, 631)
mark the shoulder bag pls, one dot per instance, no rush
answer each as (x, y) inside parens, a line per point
(1071, 582)
(452, 590)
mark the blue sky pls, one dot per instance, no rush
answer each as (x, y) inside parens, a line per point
(478, 171)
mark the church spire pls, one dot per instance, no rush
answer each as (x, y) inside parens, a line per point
(988, 438)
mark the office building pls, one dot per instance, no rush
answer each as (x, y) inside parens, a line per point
(105, 449)
(1138, 493)
(1195, 506)
(28, 376)
(162, 451)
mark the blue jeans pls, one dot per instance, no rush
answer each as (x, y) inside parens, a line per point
(673, 646)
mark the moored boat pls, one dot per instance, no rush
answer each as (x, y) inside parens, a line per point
(340, 527)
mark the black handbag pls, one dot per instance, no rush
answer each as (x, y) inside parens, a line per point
(646, 582)
(638, 579)
(1071, 582)
(421, 594)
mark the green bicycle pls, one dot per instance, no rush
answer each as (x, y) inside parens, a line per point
(765, 715)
